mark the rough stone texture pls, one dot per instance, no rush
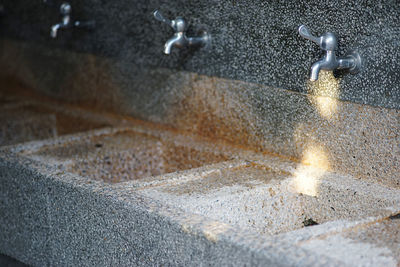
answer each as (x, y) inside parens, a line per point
(340, 136)
(383, 235)
(10, 262)
(24, 227)
(54, 217)
(88, 222)
(94, 225)
(23, 121)
(254, 41)
(130, 155)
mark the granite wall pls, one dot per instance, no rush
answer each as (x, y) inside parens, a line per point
(253, 41)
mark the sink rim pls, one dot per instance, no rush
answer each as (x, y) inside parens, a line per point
(29, 150)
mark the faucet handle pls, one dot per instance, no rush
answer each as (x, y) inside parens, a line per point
(304, 32)
(65, 9)
(179, 24)
(327, 42)
(158, 16)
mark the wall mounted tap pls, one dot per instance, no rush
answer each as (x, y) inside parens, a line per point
(65, 10)
(328, 43)
(180, 39)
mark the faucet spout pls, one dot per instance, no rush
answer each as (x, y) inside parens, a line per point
(315, 69)
(328, 43)
(54, 30)
(66, 23)
(178, 40)
(65, 10)
(328, 62)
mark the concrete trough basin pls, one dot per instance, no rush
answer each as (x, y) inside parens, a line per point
(272, 201)
(21, 122)
(128, 155)
(145, 196)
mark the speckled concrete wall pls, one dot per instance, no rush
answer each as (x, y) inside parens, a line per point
(253, 41)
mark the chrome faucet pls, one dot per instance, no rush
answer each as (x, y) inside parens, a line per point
(65, 10)
(180, 39)
(328, 42)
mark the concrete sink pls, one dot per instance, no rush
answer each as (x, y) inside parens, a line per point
(145, 196)
(130, 154)
(272, 200)
(21, 121)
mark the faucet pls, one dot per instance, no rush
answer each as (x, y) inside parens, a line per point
(328, 43)
(65, 10)
(179, 39)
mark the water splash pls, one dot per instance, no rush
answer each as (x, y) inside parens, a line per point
(324, 94)
(314, 165)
